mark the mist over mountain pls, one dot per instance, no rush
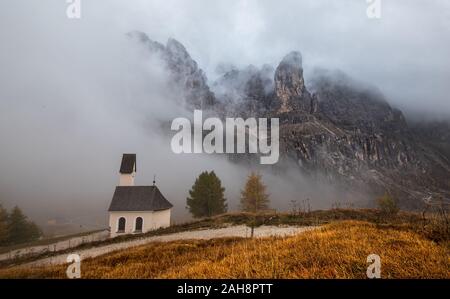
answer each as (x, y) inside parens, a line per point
(363, 103)
(345, 131)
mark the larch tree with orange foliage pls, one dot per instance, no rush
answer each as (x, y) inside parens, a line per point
(254, 197)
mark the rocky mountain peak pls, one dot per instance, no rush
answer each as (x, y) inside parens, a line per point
(355, 105)
(138, 35)
(177, 49)
(346, 131)
(293, 59)
(179, 58)
(141, 37)
(184, 71)
(289, 83)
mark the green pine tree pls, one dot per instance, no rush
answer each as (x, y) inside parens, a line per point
(206, 196)
(3, 226)
(20, 229)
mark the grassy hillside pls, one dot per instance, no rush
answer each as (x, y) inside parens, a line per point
(319, 217)
(338, 250)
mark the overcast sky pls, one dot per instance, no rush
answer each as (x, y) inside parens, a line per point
(405, 52)
(74, 94)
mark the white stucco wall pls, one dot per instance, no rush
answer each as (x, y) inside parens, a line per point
(127, 179)
(152, 220)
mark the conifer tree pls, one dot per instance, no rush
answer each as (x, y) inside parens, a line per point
(254, 197)
(21, 230)
(206, 198)
(3, 226)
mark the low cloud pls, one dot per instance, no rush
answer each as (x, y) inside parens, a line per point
(76, 94)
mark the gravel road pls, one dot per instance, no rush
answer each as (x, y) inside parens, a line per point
(54, 247)
(231, 231)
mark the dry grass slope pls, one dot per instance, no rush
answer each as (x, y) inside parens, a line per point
(339, 250)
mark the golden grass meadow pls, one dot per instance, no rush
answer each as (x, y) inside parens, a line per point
(335, 250)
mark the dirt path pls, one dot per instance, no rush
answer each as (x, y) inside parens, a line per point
(232, 231)
(55, 246)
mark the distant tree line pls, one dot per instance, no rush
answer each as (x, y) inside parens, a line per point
(15, 228)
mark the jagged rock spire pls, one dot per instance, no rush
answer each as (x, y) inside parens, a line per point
(184, 70)
(290, 87)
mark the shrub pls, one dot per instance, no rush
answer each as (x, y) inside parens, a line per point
(387, 205)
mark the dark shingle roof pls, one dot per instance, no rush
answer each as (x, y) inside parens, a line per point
(138, 198)
(128, 164)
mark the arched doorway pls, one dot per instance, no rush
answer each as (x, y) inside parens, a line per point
(139, 223)
(121, 226)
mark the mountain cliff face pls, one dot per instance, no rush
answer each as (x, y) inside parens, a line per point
(336, 127)
(184, 71)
